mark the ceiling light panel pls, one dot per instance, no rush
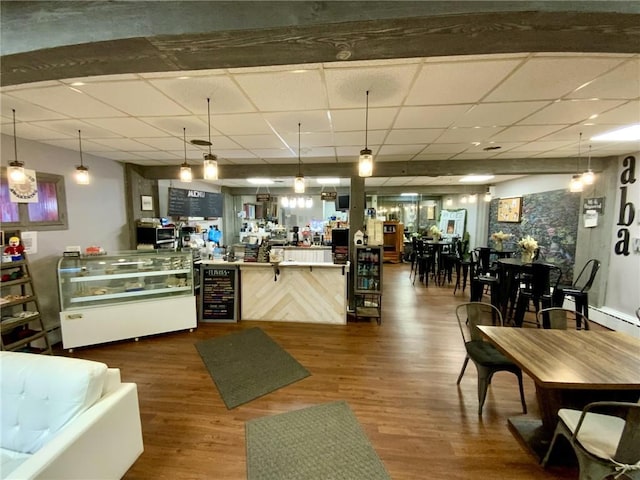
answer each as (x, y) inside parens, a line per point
(532, 81)
(282, 91)
(448, 83)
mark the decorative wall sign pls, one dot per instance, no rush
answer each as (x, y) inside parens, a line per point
(26, 192)
(147, 202)
(595, 203)
(510, 209)
(452, 222)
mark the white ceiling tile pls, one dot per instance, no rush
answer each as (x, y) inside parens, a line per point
(446, 148)
(354, 151)
(283, 91)
(159, 155)
(423, 156)
(473, 156)
(349, 120)
(162, 143)
(407, 150)
(234, 153)
(123, 144)
(134, 97)
(71, 127)
(192, 93)
(74, 144)
(25, 111)
(468, 135)
(196, 128)
(127, 127)
(67, 102)
(413, 135)
(569, 111)
(524, 133)
(309, 140)
(287, 123)
(356, 139)
(33, 132)
(121, 156)
(623, 115)
(622, 82)
(252, 142)
(503, 114)
(387, 85)
(572, 133)
(550, 78)
(429, 117)
(101, 78)
(537, 147)
(241, 124)
(448, 83)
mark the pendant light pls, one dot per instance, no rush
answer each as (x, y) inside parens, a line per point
(588, 177)
(487, 195)
(185, 169)
(210, 161)
(298, 183)
(365, 161)
(82, 172)
(16, 167)
(575, 186)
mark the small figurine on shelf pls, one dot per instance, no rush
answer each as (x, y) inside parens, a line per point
(15, 249)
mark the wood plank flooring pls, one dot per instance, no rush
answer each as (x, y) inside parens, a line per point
(399, 378)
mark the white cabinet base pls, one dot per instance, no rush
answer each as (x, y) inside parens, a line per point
(132, 320)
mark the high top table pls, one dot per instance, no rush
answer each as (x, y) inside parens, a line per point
(570, 368)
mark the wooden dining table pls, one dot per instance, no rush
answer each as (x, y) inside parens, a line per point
(570, 368)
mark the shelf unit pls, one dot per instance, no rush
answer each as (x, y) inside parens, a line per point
(106, 298)
(393, 241)
(368, 282)
(21, 326)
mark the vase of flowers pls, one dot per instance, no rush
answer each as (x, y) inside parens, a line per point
(529, 246)
(498, 239)
(435, 233)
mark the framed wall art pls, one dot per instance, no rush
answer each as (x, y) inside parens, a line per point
(146, 203)
(510, 209)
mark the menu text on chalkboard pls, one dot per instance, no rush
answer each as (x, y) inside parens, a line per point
(194, 203)
(219, 294)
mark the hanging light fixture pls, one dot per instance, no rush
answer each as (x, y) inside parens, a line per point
(298, 184)
(365, 161)
(185, 169)
(464, 199)
(82, 172)
(588, 177)
(210, 161)
(16, 167)
(487, 195)
(473, 198)
(575, 185)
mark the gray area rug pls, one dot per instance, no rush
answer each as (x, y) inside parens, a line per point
(248, 364)
(315, 443)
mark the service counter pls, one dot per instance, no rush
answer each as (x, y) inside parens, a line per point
(307, 292)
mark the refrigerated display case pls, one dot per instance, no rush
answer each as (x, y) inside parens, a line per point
(125, 295)
(368, 282)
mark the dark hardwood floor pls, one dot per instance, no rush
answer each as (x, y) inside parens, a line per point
(399, 378)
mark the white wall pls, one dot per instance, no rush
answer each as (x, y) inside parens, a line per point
(96, 212)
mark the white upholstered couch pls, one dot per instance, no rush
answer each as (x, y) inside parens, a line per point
(65, 418)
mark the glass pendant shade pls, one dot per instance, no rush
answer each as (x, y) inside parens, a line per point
(588, 177)
(210, 167)
(308, 203)
(298, 184)
(365, 163)
(473, 198)
(185, 173)
(487, 197)
(463, 199)
(576, 184)
(16, 172)
(82, 175)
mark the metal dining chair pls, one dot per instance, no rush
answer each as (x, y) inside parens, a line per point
(559, 318)
(543, 278)
(487, 359)
(605, 437)
(579, 290)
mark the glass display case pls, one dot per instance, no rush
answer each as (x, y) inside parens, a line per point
(125, 295)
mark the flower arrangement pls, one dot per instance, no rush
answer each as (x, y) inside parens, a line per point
(528, 244)
(434, 231)
(500, 236)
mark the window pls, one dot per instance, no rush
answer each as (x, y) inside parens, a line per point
(49, 213)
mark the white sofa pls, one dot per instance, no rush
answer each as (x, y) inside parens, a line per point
(66, 418)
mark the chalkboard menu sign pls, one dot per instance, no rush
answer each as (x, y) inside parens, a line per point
(194, 203)
(219, 294)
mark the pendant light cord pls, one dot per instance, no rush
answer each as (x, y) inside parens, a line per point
(80, 142)
(299, 162)
(15, 139)
(209, 118)
(579, 152)
(366, 122)
(184, 137)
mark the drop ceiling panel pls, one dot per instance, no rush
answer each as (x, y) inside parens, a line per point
(449, 148)
(350, 120)
(33, 132)
(174, 125)
(550, 78)
(127, 127)
(448, 83)
(387, 85)
(192, 93)
(282, 153)
(524, 133)
(134, 98)
(308, 140)
(570, 111)
(498, 114)
(67, 102)
(160, 155)
(25, 111)
(284, 90)
(251, 142)
(287, 123)
(120, 156)
(622, 82)
(624, 114)
(71, 127)
(429, 117)
(241, 124)
(357, 139)
(468, 135)
(123, 144)
(413, 136)
(407, 150)
(164, 143)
